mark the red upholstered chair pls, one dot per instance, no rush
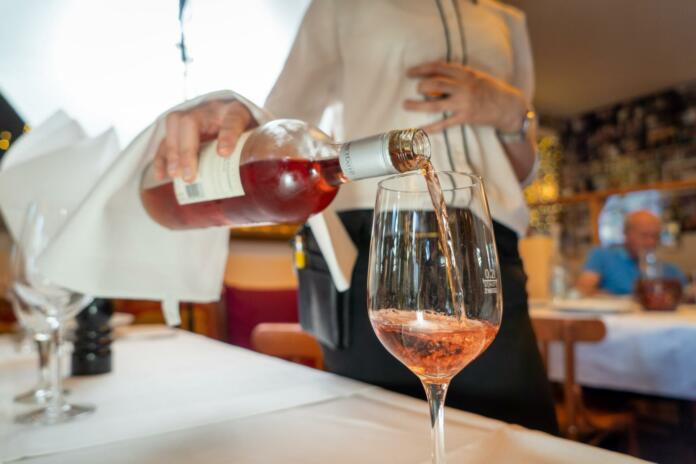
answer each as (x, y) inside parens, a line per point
(260, 286)
(246, 308)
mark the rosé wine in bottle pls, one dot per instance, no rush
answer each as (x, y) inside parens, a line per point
(281, 172)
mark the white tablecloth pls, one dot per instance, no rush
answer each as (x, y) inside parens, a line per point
(644, 352)
(184, 398)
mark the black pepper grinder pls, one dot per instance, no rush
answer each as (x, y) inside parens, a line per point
(92, 346)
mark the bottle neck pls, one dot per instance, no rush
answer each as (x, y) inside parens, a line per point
(388, 153)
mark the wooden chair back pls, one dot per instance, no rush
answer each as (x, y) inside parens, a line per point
(287, 341)
(568, 332)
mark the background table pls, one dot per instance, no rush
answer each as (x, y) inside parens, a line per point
(176, 397)
(644, 352)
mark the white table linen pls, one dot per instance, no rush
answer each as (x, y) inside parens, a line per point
(183, 398)
(644, 352)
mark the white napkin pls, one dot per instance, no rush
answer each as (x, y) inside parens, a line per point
(57, 132)
(335, 244)
(56, 177)
(109, 246)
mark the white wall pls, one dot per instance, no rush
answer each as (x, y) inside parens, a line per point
(115, 62)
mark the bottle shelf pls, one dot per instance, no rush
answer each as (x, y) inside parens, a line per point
(603, 194)
(595, 199)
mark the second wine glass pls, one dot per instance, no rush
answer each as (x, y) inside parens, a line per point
(434, 295)
(48, 305)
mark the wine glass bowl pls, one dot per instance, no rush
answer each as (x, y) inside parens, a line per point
(434, 346)
(434, 293)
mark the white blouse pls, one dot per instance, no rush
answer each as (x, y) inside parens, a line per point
(347, 72)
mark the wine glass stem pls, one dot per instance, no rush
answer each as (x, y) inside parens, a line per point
(43, 349)
(56, 401)
(436, 400)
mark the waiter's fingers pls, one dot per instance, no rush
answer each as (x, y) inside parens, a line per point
(441, 125)
(188, 147)
(437, 87)
(428, 106)
(171, 141)
(235, 121)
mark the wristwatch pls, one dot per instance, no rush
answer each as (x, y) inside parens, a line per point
(528, 120)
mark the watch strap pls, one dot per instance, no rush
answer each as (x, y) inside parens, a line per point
(528, 120)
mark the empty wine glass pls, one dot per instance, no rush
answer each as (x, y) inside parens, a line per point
(47, 306)
(434, 293)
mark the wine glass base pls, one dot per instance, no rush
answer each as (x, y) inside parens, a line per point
(36, 396)
(47, 417)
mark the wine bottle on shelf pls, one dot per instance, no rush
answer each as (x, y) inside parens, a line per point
(281, 172)
(92, 346)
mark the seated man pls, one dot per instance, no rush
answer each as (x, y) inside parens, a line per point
(615, 270)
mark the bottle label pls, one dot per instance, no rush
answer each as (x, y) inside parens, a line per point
(217, 177)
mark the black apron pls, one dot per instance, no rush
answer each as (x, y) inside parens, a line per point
(507, 382)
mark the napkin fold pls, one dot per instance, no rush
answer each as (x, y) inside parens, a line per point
(55, 168)
(339, 251)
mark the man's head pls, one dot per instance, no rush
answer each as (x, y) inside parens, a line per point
(641, 231)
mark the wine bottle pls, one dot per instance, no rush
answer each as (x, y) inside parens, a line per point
(92, 346)
(281, 172)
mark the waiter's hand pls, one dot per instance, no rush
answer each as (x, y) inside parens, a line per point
(177, 154)
(470, 96)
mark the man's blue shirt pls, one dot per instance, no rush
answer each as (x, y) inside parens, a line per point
(618, 271)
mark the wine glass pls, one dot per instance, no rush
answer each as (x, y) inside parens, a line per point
(435, 304)
(48, 306)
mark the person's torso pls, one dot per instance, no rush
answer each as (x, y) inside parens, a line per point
(379, 41)
(619, 271)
